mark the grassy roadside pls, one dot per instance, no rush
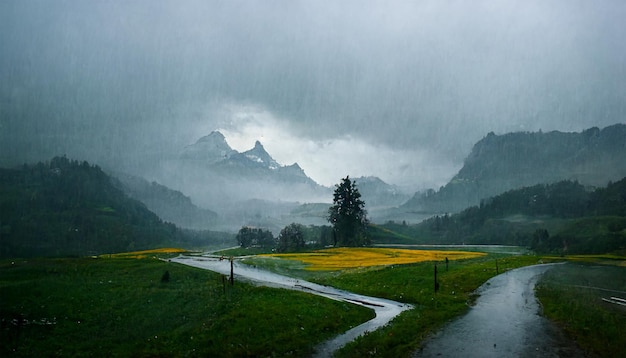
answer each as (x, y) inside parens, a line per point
(410, 283)
(121, 307)
(414, 284)
(572, 296)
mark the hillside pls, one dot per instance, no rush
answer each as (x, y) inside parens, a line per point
(563, 217)
(65, 207)
(170, 205)
(498, 163)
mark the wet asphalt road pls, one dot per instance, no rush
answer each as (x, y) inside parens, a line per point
(505, 322)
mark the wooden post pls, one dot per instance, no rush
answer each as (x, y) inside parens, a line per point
(497, 268)
(436, 282)
(232, 275)
(446, 264)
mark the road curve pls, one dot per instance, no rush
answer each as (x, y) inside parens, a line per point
(385, 310)
(504, 322)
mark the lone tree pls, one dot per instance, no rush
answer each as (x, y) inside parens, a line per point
(348, 215)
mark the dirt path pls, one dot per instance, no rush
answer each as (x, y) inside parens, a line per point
(385, 310)
(505, 322)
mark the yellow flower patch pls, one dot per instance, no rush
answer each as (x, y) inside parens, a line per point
(349, 258)
(145, 253)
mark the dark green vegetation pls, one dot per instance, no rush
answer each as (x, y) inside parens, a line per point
(572, 296)
(65, 207)
(347, 215)
(251, 236)
(293, 237)
(124, 307)
(499, 163)
(297, 238)
(564, 217)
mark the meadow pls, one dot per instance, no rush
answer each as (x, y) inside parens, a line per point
(123, 307)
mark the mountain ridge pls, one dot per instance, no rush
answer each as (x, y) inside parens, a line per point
(214, 175)
(498, 163)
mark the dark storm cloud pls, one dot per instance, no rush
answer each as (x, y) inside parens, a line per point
(121, 81)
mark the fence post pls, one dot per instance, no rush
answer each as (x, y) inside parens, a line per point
(232, 275)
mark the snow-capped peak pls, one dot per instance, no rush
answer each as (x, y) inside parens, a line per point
(211, 147)
(260, 156)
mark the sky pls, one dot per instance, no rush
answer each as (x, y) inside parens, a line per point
(396, 89)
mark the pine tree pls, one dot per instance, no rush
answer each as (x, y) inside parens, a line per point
(348, 215)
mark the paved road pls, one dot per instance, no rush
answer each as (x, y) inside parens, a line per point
(505, 322)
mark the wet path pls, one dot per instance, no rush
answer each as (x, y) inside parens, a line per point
(385, 310)
(505, 322)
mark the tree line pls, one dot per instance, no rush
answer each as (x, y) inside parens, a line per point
(563, 217)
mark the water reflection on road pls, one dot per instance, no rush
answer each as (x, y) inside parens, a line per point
(505, 322)
(385, 310)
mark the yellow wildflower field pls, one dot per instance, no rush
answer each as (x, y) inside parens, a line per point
(145, 253)
(349, 258)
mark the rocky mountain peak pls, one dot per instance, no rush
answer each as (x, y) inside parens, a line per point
(212, 148)
(259, 155)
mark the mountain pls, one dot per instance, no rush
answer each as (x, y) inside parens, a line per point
(261, 157)
(376, 193)
(498, 163)
(217, 176)
(66, 207)
(211, 148)
(170, 205)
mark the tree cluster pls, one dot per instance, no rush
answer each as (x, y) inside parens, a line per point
(293, 237)
(255, 237)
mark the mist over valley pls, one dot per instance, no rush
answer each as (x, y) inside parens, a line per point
(168, 168)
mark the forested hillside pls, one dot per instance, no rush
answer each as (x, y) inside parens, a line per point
(66, 207)
(564, 217)
(499, 163)
(171, 205)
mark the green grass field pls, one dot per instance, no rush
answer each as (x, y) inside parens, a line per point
(120, 307)
(572, 296)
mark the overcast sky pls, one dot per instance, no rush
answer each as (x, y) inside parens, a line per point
(396, 89)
